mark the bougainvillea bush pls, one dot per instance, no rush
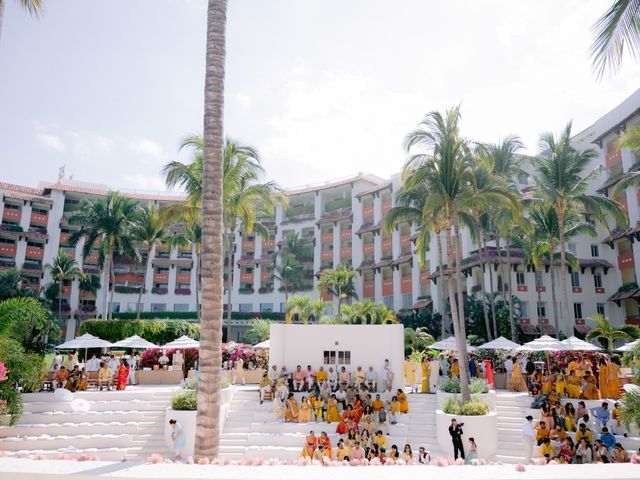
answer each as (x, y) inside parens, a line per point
(252, 358)
(150, 357)
(10, 399)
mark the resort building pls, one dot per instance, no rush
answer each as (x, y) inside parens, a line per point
(342, 223)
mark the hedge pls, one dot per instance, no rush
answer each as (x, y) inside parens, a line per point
(194, 315)
(156, 331)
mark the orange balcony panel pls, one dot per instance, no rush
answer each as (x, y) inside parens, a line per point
(326, 296)
(405, 240)
(39, 219)
(35, 252)
(326, 255)
(576, 289)
(633, 321)
(626, 260)
(345, 252)
(69, 251)
(387, 244)
(246, 277)
(368, 248)
(91, 259)
(614, 156)
(161, 277)
(369, 289)
(87, 295)
(11, 214)
(266, 244)
(387, 288)
(523, 288)
(345, 234)
(326, 237)
(248, 245)
(265, 276)
(128, 277)
(406, 285)
(386, 206)
(64, 238)
(541, 288)
(599, 290)
(6, 249)
(367, 212)
(183, 278)
(424, 277)
(66, 290)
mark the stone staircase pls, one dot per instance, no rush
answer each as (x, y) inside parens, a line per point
(251, 430)
(118, 424)
(511, 408)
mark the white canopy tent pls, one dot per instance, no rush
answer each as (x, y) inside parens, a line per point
(576, 345)
(448, 344)
(629, 346)
(134, 342)
(264, 345)
(183, 342)
(543, 344)
(499, 343)
(85, 342)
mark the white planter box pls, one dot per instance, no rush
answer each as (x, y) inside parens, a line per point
(483, 428)
(489, 397)
(187, 419)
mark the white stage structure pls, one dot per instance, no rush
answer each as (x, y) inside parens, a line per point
(339, 346)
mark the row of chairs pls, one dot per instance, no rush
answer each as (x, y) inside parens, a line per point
(92, 382)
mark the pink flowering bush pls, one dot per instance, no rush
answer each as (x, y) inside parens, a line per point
(520, 468)
(232, 352)
(3, 372)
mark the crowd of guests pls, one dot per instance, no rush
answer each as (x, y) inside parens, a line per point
(578, 377)
(70, 374)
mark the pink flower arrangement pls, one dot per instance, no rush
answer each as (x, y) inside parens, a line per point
(442, 462)
(635, 458)
(3, 372)
(190, 461)
(155, 458)
(520, 468)
(203, 461)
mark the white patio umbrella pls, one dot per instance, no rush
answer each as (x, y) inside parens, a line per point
(264, 345)
(135, 342)
(627, 347)
(448, 344)
(85, 341)
(182, 343)
(543, 344)
(576, 345)
(500, 343)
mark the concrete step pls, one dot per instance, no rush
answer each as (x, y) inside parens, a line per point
(509, 459)
(96, 406)
(163, 394)
(81, 428)
(105, 454)
(93, 416)
(50, 442)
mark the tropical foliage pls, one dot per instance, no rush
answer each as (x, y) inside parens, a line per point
(339, 282)
(606, 333)
(158, 332)
(258, 331)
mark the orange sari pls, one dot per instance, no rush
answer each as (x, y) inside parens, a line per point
(121, 377)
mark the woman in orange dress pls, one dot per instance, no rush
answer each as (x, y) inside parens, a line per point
(325, 441)
(357, 409)
(516, 382)
(291, 409)
(488, 371)
(122, 375)
(346, 421)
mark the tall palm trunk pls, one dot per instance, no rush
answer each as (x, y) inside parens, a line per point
(553, 289)
(144, 282)
(198, 266)
(492, 297)
(112, 287)
(444, 318)
(461, 341)
(512, 322)
(483, 294)
(501, 273)
(1, 15)
(208, 417)
(563, 270)
(107, 274)
(60, 300)
(538, 290)
(460, 293)
(229, 255)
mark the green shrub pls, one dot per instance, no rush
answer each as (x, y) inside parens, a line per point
(452, 407)
(190, 384)
(25, 369)
(194, 315)
(450, 386)
(475, 407)
(156, 331)
(479, 385)
(185, 400)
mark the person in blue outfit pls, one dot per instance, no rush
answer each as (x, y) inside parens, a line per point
(601, 414)
(607, 438)
(473, 368)
(177, 438)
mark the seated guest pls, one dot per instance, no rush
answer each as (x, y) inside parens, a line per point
(291, 409)
(319, 406)
(93, 364)
(344, 379)
(60, 378)
(321, 377)
(380, 441)
(286, 376)
(619, 454)
(394, 410)
(74, 375)
(105, 376)
(584, 451)
(264, 387)
(377, 404)
(357, 452)
(298, 379)
(163, 360)
(424, 458)
(567, 450)
(371, 380)
(558, 435)
(325, 392)
(381, 420)
(569, 417)
(404, 401)
(542, 432)
(607, 438)
(83, 381)
(546, 449)
(332, 378)
(309, 377)
(584, 432)
(601, 415)
(590, 389)
(273, 377)
(351, 394)
(387, 396)
(341, 451)
(69, 362)
(347, 421)
(616, 421)
(600, 452)
(325, 442)
(320, 453)
(310, 445)
(332, 410)
(341, 396)
(359, 377)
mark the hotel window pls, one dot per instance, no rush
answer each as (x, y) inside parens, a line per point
(575, 279)
(539, 279)
(266, 307)
(407, 300)
(595, 250)
(388, 301)
(132, 306)
(542, 310)
(600, 308)
(158, 307)
(180, 307)
(577, 310)
(340, 357)
(115, 307)
(245, 307)
(520, 278)
(597, 280)
(524, 309)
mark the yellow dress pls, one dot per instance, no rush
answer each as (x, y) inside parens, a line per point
(547, 384)
(591, 392)
(569, 423)
(341, 453)
(573, 386)
(455, 370)
(573, 366)
(425, 377)
(613, 381)
(291, 410)
(404, 402)
(304, 416)
(321, 376)
(516, 383)
(561, 386)
(394, 407)
(332, 411)
(318, 408)
(307, 452)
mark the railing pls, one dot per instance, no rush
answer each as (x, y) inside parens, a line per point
(39, 218)
(367, 213)
(6, 249)
(246, 277)
(182, 291)
(34, 252)
(406, 284)
(326, 255)
(11, 214)
(248, 245)
(327, 237)
(161, 277)
(266, 244)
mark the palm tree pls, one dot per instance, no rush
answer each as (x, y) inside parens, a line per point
(191, 236)
(33, 7)
(444, 168)
(259, 331)
(150, 230)
(10, 282)
(107, 223)
(208, 417)
(300, 306)
(63, 267)
(630, 138)
(339, 282)
(289, 273)
(560, 182)
(614, 32)
(607, 333)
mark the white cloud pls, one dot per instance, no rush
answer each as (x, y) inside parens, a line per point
(243, 101)
(144, 181)
(50, 142)
(147, 148)
(87, 144)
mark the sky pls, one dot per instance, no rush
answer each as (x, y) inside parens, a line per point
(323, 89)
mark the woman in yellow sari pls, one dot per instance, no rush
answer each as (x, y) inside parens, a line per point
(517, 383)
(455, 369)
(83, 381)
(291, 409)
(304, 414)
(573, 385)
(561, 386)
(332, 410)
(404, 401)
(547, 383)
(608, 379)
(591, 391)
(569, 417)
(425, 374)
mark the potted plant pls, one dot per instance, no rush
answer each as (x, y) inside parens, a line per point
(450, 389)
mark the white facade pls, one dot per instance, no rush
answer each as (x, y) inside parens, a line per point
(366, 345)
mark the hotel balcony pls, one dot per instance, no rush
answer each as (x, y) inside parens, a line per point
(64, 238)
(266, 276)
(345, 252)
(405, 284)
(246, 278)
(161, 278)
(128, 277)
(39, 219)
(405, 240)
(35, 252)
(387, 244)
(327, 237)
(345, 234)
(8, 249)
(12, 215)
(386, 206)
(369, 289)
(367, 214)
(326, 255)
(387, 287)
(626, 260)
(91, 259)
(368, 248)
(248, 245)
(268, 244)
(183, 278)
(66, 290)
(424, 277)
